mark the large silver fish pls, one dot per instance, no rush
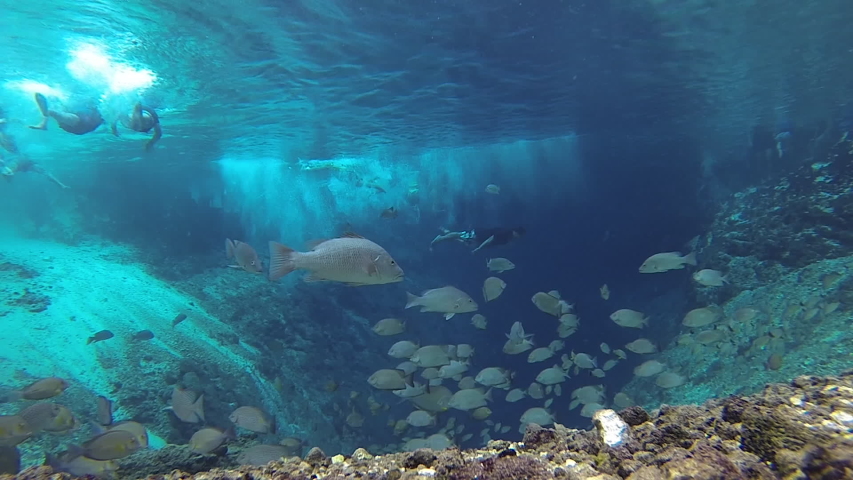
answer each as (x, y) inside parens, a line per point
(351, 259)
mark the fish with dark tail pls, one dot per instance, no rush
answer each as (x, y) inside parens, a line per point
(100, 337)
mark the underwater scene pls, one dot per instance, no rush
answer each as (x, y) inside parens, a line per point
(390, 239)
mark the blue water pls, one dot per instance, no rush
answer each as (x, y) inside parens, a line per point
(615, 129)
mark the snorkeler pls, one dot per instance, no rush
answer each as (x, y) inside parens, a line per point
(480, 237)
(79, 122)
(142, 120)
(24, 165)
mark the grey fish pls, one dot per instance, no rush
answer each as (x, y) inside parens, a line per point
(105, 410)
(260, 455)
(186, 406)
(100, 337)
(178, 319)
(111, 445)
(209, 439)
(351, 259)
(142, 335)
(81, 466)
(244, 255)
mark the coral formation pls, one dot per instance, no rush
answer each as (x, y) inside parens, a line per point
(765, 232)
(795, 430)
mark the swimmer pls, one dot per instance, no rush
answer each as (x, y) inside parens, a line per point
(481, 237)
(79, 122)
(142, 120)
(23, 165)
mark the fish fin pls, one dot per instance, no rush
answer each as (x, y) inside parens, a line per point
(73, 451)
(229, 248)
(198, 407)
(690, 259)
(234, 266)
(281, 260)
(353, 284)
(372, 269)
(488, 395)
(313, 244)
(411, 300)
(97, 428)
(312, 278)
(90, 340)
(351, 235)
(448, 316)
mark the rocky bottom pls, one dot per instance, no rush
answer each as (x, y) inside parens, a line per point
(801, 430)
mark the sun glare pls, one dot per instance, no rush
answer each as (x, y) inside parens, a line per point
(89, 63)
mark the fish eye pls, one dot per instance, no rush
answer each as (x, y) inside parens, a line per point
(393, 262)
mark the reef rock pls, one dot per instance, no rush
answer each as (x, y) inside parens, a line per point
(764, 232)
(795, 430)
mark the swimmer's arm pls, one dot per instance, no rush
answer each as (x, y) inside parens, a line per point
(158, 132)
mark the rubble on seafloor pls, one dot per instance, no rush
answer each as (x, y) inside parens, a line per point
(799, 430)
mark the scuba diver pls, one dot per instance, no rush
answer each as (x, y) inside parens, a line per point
(79, 122)
(480, 237)
(24, 165)
(142, 120)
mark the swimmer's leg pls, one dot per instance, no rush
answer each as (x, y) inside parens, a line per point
(488, 241)
(62, 118)
(41, 170)
(445, 237)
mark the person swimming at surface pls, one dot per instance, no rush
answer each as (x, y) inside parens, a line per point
(142, 120)
(79, 122)
(480, 237)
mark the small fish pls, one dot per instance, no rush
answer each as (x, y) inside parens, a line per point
(135, 428)
(499, 265)
(642, 346)
(253, 419)
(351, 259)
(209, 439)
(41, 389)
(142, 335)
(178, 319)
(493, 287)
(605, 292)
(649, 368)
(245, 256)
(111, 445)
(81, 466)
(629, 318)
(447, 300)
(389, 326)
(389, 213)
(260, 455)
(710, 278)
(40, 416)
(663, 262)
(493, 189)
(104, 411)
(13, 430)
(100, 337)
(479, 321)
(186, 406)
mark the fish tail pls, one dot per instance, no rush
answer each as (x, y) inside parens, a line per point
(281, 260)
(229, 248)
(690, 259)
(90, 340)
(411, 300)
